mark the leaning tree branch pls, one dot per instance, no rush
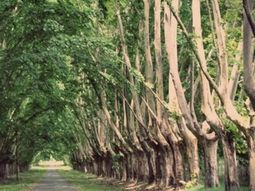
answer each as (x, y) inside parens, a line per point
(194, 50)
(247, 10)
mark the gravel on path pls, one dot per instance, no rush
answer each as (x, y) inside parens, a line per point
(52, 181)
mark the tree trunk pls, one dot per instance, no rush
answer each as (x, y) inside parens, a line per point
(178, 165)
(130, 158)
(230, 164)
(252, 161)
(142, 167)
(158, 165)
(211, 166)
(248, 50)
(3, 172)
(152, 166)
(150, 161)
(249, 83)
(191, 145)
(158, 57)
(124, 162)
(167, 167)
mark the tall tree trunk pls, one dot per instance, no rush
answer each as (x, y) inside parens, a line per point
(158, 55)
(207, 106)
(249, 86)
(149, 74)
(149, 77)
(249, 80)
(178, 101)
(149, 170)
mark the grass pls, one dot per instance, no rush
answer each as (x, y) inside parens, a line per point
(85, 182)
(26, 182)
(201, 187)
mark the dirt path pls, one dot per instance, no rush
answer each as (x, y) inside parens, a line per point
(52, 181)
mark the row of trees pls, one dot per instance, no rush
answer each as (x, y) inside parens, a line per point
(186, 95)
(146, 90)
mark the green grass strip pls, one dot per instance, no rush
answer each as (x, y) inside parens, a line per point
(85, 182)
(201, 187)
(26, 182)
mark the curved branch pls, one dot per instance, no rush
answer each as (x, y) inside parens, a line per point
(247, 10)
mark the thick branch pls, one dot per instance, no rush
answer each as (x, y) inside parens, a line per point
(249, 83)
(246, 6)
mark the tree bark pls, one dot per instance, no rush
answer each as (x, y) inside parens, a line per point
(177, 100)
(249, 81)
(191, 146)
(158, 56)
(252, 161)
(230, 163)
(211, 165)
(249, 86)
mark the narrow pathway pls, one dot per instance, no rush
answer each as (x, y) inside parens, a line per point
(52, 181)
